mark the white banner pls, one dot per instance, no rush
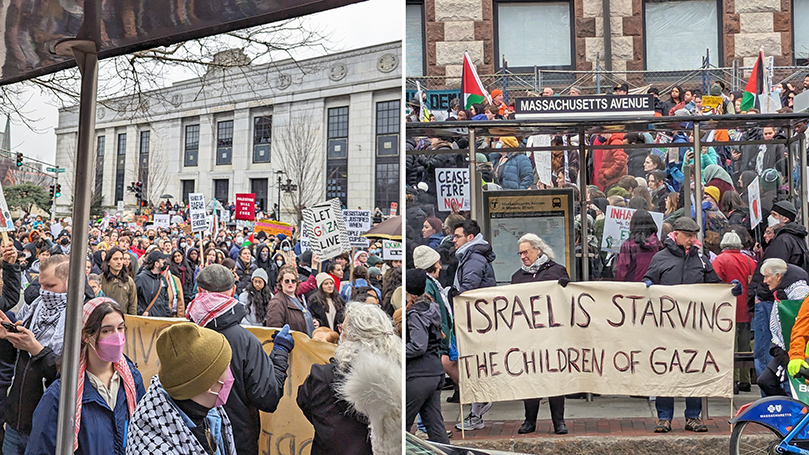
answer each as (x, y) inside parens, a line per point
(357, 223)
(540, 339)
(391, 250)
(616, 227)
(6, 223)
(196, 209)
(754, 202)
(326, 229)
(452, 185)
(161, 221)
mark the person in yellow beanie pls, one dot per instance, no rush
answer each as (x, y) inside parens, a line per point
(182, 412)
(512, 170)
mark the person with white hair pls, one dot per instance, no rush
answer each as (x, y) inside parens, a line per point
(359, 391)
(537, 265)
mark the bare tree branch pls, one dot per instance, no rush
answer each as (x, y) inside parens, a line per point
(298, 149)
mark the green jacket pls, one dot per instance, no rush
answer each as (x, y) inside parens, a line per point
(446, 317)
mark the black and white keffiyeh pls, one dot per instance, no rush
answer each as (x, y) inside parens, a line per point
(157, 427)
(45, 318)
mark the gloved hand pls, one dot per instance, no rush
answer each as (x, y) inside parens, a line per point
(564, 281)
(282, 339)
(647, 283)
(794, 366)
(737, 288)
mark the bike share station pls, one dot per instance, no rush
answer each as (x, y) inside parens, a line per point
(506, 215)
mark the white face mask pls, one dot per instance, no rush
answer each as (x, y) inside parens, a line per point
(280, 263)
(239, 240)
(773, 221)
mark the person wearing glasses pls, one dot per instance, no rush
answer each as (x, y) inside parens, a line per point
(537, 265)
(286, 307)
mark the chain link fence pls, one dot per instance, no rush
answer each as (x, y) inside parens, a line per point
(598, 81)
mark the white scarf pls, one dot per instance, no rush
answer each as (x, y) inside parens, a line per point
(534, 268)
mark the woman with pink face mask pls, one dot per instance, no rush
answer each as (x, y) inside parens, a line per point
(109, 388)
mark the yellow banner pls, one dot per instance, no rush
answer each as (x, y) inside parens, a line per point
(539, 339)
(284, 432)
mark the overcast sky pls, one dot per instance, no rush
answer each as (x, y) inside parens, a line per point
(353, 26)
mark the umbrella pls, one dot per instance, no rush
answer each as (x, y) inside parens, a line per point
(167, 196)
(390, 229)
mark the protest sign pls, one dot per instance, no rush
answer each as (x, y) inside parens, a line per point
(542, 161)
(616, 227)
(394, 207)
(541, 339)
(285, 431)
(161, 221)
(246, 206)
(196, 210)
(271, 227)
(754, 202)
(120, 206)
(712, 105)
(224, 216)
(306, 245)
(452, 184)
(584, 106)
(391, 250)
(357, 223)
(6, 223)
(326, 229)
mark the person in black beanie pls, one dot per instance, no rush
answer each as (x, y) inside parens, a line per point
(425, 374)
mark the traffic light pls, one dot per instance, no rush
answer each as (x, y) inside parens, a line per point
(58, 190)
(51, 191)
(19, 159)
(139, 191)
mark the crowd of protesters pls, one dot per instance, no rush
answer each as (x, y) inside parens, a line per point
(215, 376)
(765, 264)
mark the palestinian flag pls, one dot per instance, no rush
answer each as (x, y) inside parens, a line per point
(472, 89)
(755, 85)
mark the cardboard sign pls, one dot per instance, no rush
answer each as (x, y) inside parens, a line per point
(540, 339)
(161, 221)
(754, 202)
(245, 206)
(357, 223)
(196, 211)
(616, 227)
(452, 184)
(712, 105)
(326, 229)
(271, 227)
(286, 428)
(391, 250)
(6, 223)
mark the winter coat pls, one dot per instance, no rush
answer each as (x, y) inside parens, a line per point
(281, 310)
(12, 284)
(788, 244)
(434, 240)
(158, 427)
(258, 379)
(245, 274)
(633, 258)
(102, 430)
(317, 305)
(269, 266)
(634, 162)
(432, 290)
(774, 157)
(517, 172)
(338, 430)
(474, 266)
(423, 340)
(123, 292)
(32, 375)
(672, 265)
(734, 265)
(148, 285)
(549, 271)
(613, 163)
(251, 318)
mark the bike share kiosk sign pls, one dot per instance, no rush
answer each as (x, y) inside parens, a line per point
(588, 106)
(511, 214)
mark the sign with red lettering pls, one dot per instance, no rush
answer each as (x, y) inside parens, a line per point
(541, 339)
(245, 206)
(452, 185)
(616, 227)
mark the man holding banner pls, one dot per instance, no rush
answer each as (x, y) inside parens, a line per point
(681, 262)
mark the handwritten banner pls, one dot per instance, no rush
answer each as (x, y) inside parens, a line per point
(452, 185)
(271, 227)
(286, 431)
(539, 339)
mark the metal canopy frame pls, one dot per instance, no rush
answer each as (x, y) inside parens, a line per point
(694, 124)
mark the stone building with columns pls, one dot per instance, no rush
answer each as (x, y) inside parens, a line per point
(232, 133)
(640, 35)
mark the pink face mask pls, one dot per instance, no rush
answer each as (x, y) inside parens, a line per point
(224, 392)
(110, 348)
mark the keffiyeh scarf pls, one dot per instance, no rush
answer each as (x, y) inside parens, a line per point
(45, 318)
(208, 306)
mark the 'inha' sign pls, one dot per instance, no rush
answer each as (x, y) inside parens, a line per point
(585, 106)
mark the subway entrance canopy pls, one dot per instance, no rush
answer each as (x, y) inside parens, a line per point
(793, 124)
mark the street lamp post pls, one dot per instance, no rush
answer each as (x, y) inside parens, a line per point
(278, 214)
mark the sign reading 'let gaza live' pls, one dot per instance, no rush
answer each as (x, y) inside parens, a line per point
(580, 106)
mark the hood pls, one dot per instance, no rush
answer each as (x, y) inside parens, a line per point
(714, 171)
(478, 244)
(427, 309)
(230, 318)
(651, 243)
(257, 256)
(792, 228)
(675, 249)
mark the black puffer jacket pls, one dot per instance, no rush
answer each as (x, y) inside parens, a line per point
(258, 379)
(549, 271)
(148, 284)
(788, 244)
(423, 339)
(672, 265)
(475, 266)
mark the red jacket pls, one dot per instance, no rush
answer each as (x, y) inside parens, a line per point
(613, 163)
(734, 265)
